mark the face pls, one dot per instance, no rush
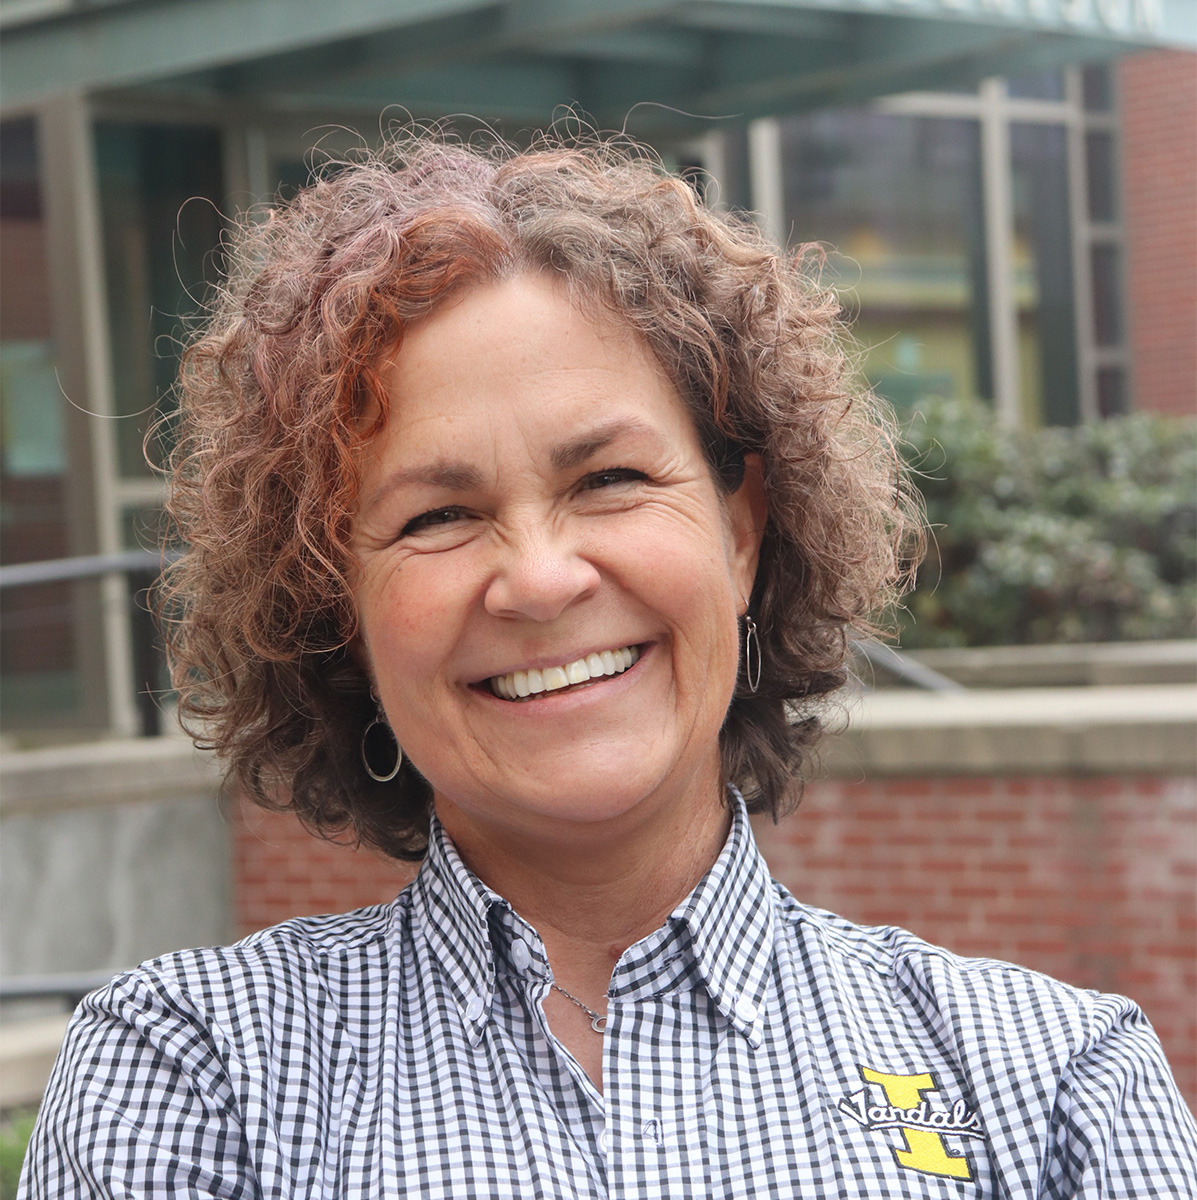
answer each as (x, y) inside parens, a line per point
(537, 509)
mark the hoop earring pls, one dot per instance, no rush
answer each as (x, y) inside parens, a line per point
(379, 721)
(752, 654)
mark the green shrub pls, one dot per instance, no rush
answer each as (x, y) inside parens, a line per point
(1055, 535)
(14, 1137)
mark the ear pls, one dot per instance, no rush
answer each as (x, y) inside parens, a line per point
(747, 513)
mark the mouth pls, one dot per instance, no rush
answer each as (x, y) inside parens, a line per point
(527, 685)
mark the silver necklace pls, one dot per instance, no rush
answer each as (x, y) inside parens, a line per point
(598, 1021)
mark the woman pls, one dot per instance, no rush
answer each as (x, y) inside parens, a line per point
(528, 510)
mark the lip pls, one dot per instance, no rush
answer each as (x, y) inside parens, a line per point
(576, 692)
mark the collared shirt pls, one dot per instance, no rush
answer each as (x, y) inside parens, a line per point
(754, 1047)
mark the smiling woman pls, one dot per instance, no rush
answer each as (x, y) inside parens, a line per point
(529, 508)
(363, 304)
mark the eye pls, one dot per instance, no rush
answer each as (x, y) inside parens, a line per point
(429, 520)
(611, 478)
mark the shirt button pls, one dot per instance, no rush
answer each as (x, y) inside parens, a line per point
(473, 1008)
(520, 954)
(603, 1143)
(745, 1010)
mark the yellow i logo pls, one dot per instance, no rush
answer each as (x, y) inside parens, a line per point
(925, 1149)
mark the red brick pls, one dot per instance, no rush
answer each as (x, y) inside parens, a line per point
(1159, 179)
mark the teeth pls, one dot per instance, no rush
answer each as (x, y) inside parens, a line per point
(554, 678)
(519, 685)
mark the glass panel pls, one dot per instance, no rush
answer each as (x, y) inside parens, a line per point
(38, 667)
(1042, 270)
(1042, 85)
(293, 174)
(1111, 391)
(160, 197)
(142, 529)
(735, 189)
(1107, 294)
(898, 198)
(1096, 88)
(1099, 175)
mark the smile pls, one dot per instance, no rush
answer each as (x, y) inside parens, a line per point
(522, 685)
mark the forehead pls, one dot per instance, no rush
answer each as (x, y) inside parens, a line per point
(522, 349)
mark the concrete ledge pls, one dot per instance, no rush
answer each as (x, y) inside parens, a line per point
(103, 773)
(1102, 664)
(1071, 731)
(27, 1052)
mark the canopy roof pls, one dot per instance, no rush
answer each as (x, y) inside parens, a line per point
(651, 60)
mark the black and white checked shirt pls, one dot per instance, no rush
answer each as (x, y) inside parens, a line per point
(756, 1047)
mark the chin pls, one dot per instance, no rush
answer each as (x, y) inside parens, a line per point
(594, 797)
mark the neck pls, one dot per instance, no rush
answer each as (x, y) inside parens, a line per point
(592, 890)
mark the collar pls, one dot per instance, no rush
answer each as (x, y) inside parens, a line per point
(453, 905)
(722, 932)
(724, 928)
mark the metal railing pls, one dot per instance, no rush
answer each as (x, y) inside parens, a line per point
(86, 566)
(68, 988)
(904, 668)
(141, 568)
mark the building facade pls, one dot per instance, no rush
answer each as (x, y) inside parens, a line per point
(985, 214)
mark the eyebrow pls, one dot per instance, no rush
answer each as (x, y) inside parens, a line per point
(452, 476)
(457, 476)
(578, 449)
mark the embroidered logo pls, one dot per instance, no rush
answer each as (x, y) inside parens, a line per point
(923, 1125)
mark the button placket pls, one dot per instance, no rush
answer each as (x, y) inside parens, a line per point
(521, 955)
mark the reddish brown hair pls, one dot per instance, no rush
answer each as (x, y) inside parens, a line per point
(264, 478)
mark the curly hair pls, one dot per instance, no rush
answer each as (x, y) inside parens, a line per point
(258, 613)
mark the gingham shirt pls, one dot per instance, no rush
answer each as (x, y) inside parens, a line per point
(755, 1047)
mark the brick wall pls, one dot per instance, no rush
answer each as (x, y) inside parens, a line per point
(1090, 879)
(1158, 100)
(281, 871)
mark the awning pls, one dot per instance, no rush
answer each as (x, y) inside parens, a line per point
(640, 63)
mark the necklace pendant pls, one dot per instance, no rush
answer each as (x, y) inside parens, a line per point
(598, 1024)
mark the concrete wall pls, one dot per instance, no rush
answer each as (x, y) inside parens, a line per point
(110, 853)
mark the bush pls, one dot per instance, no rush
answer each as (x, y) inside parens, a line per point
(14, 1137)
(1055, 535)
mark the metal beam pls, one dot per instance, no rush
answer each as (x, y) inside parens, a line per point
(749, 78)
(123, 44)
(173, 42)
(513, 91)
(653, 47)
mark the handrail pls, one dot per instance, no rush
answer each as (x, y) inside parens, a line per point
(70, 987)
(85, 566)
(905, 668)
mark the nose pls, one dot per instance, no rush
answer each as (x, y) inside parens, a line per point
(539, 574)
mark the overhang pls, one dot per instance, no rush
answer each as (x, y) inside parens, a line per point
(640, 63)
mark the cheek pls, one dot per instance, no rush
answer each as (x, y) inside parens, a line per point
(403, 626)
(691, 586)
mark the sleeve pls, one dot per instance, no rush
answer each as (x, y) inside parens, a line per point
(138, 1106)
(1120, 1128)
